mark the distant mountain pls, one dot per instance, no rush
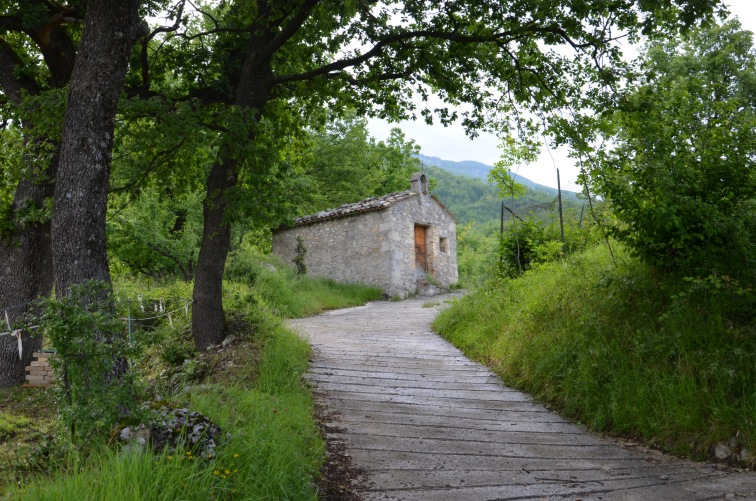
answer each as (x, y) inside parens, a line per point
(467, 168)
(478, 170)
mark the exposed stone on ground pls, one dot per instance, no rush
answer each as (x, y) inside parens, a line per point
(174, 428)
(228, 341)
(722, 451)
(425, 288)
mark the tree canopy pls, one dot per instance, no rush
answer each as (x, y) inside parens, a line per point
(680, 175)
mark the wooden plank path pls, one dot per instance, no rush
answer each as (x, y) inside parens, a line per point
(426, 423)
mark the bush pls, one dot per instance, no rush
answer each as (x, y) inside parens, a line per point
(92, 350)
(681, 176)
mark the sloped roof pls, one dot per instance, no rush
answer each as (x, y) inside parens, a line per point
(368, 205)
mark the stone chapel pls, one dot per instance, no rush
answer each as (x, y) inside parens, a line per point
(400, 242)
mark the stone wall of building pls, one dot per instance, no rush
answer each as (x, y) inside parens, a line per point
(425, 211)
(378, 247)
(351, 249)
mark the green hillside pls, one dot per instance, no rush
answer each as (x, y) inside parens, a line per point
(472, 199)
(478, 170)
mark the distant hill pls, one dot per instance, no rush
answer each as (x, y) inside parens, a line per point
(472, 199)
(478, 170)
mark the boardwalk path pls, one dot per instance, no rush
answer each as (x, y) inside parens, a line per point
(425, 422)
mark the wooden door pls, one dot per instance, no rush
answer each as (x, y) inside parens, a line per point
(421, 261)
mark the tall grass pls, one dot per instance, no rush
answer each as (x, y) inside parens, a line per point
(275, 449)
(621, 348)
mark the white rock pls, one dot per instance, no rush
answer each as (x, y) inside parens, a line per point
(227, 342)
(745, 455)
(126, 433)
(722, 451)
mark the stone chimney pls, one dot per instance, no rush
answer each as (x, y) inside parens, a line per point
(419, 183)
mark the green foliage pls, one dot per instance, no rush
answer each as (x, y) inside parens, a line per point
(96, 389)
(514, 153)
(274, 452)
(621, 348)
(526, 243)
(31, 440)
(681, 177)
(476, 200)
(343, 164)
(299, 258)
(477, 253)
(538, 239)
(156, 235)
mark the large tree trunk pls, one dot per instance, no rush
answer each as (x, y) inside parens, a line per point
(26, 275)
(78, 224)
(25, 254)
(207, 309)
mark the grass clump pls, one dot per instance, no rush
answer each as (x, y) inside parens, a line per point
(622, 348)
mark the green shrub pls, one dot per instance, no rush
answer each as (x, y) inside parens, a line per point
(274, 450)
(680, 175)
(92, 351)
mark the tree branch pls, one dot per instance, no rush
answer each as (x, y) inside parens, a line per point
(13, 87)
(143, 56)
(289, 30)
(500, 38)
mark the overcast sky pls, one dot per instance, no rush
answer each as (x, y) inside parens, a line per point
(450, 143)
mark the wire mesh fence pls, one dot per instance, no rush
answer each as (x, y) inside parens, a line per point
(573, 207)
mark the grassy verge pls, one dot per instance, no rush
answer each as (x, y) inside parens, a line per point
(252, 390)
(274, 452)
(622, 349)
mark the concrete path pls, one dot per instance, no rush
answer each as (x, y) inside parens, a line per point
(425, 422)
